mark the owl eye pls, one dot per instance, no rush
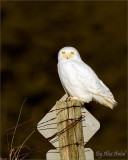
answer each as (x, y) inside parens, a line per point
(63, 52)
(72, 52)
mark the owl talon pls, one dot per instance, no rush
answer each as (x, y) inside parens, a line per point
(68, 98)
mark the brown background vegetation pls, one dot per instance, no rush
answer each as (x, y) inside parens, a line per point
(32, 34)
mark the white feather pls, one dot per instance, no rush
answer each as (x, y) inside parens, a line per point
(80, 81)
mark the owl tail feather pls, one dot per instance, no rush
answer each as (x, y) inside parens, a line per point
(108, 102)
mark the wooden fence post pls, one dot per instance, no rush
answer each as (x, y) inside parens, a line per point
(70, 131)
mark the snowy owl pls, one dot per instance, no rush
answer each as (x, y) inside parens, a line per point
(80, 81)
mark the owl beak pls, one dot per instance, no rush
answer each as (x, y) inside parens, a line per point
(67, 56)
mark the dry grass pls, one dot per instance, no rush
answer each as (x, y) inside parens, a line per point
(14, 152)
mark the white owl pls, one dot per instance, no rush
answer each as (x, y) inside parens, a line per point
(80, 81)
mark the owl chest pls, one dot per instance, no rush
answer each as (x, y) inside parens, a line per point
(70, 75)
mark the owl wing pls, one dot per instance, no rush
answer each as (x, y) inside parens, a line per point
(95, 86)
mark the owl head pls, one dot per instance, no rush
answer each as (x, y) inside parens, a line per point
(68, 54)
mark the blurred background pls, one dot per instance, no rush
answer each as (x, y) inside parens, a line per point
(32, 33)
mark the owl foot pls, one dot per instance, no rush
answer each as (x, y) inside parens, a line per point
(69, 98)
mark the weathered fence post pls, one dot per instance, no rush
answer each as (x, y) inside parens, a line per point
(70, 131)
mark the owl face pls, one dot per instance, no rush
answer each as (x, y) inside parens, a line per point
(68, 53)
